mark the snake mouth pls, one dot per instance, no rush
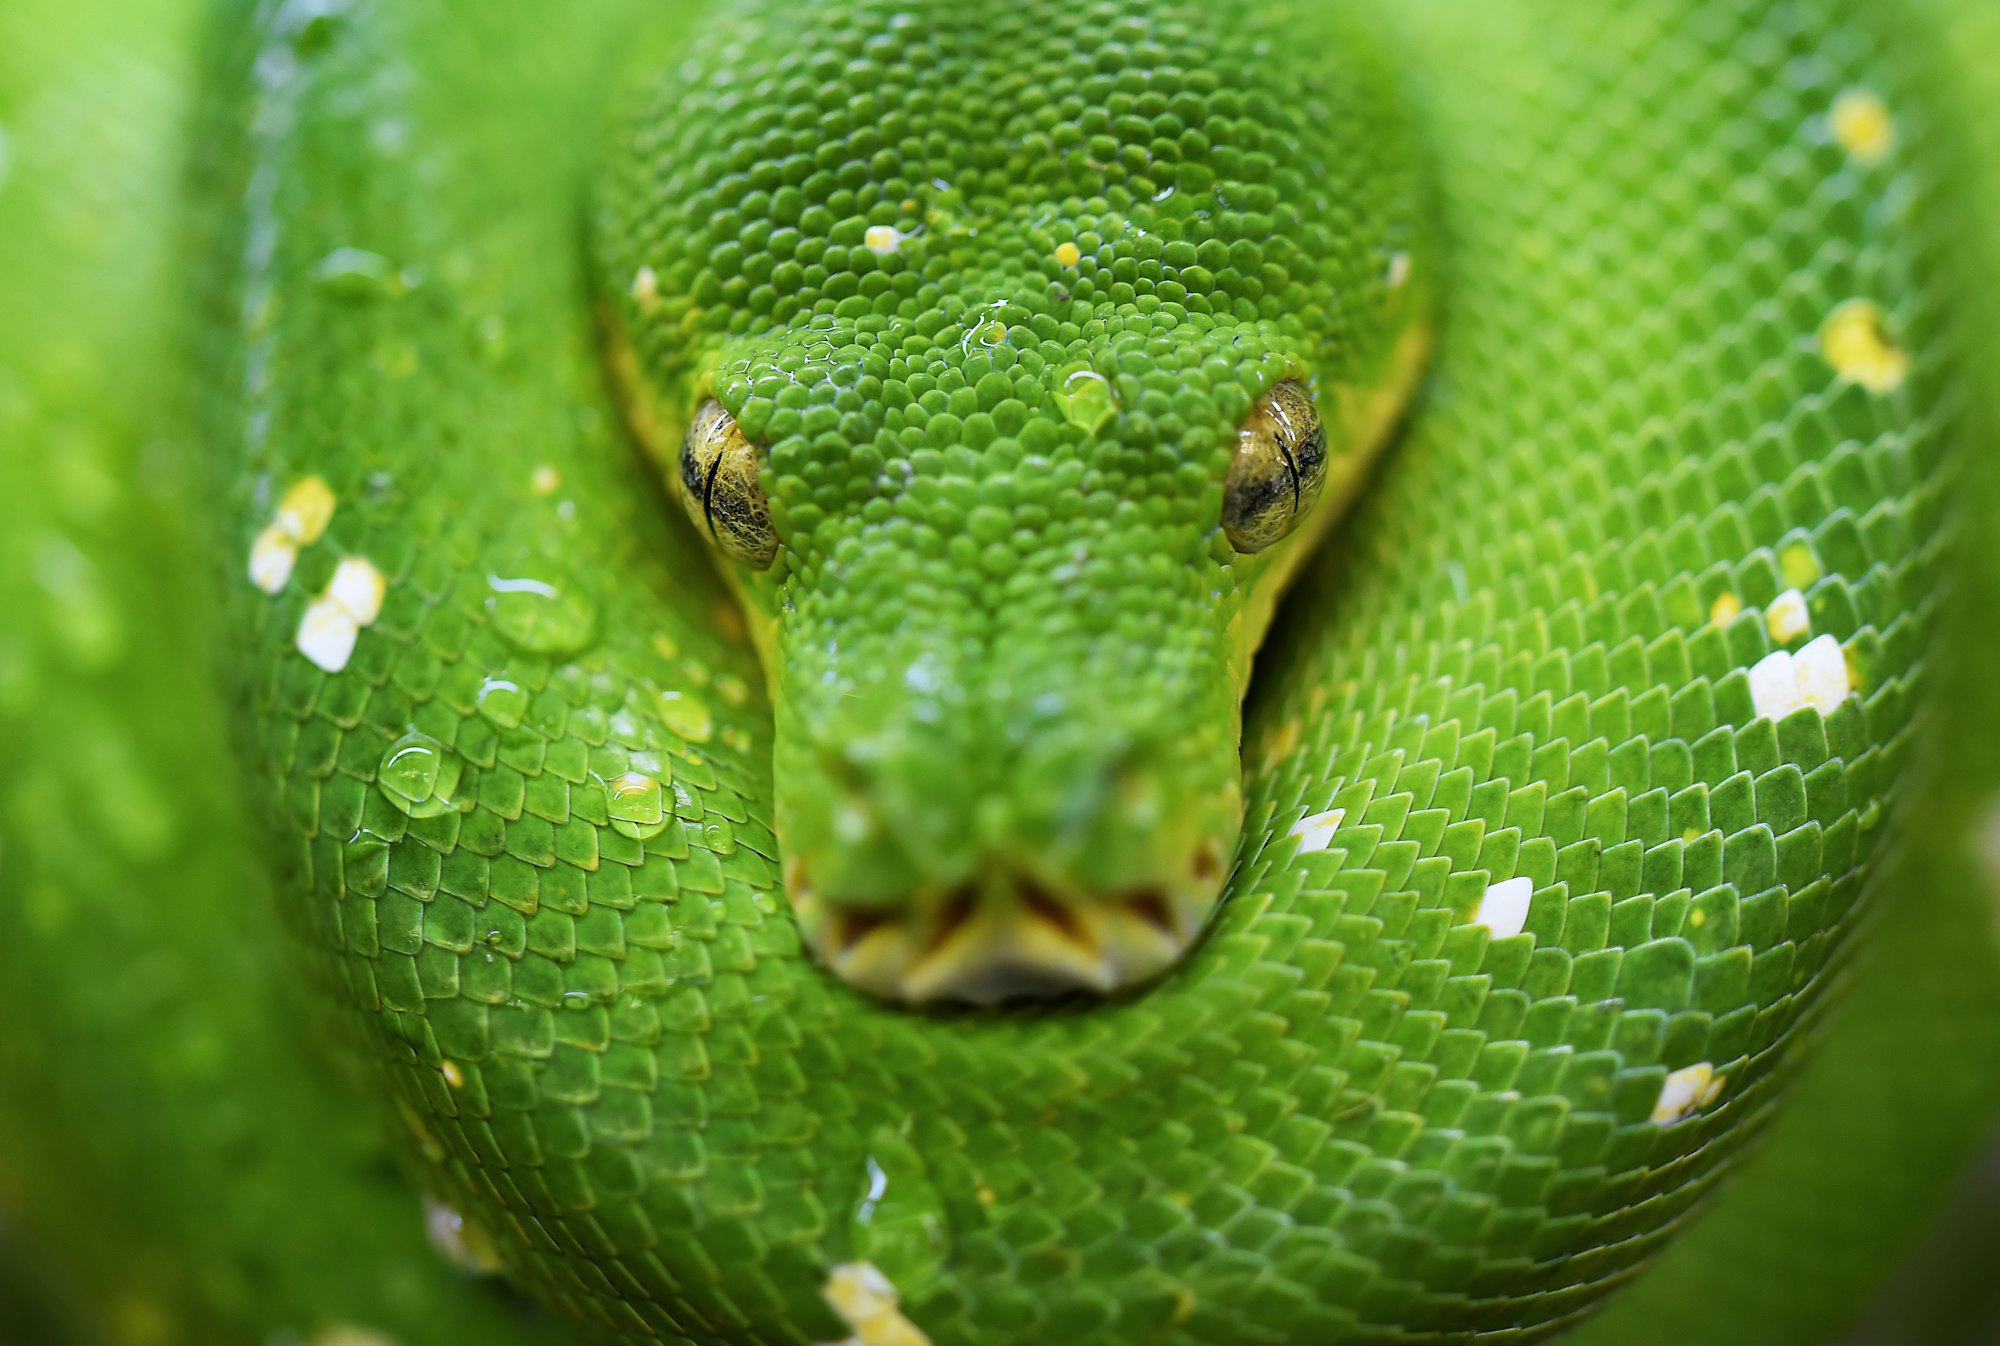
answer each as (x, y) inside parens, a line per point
(1006, 936)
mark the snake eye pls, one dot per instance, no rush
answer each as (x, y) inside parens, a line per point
(1279, 467)
(720, 489)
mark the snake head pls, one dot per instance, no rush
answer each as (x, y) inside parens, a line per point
(1008, 446)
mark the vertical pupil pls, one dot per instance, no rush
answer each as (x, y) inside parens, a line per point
(708, 487)
(1291, 466)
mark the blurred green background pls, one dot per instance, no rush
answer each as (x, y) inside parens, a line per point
(179, 1158)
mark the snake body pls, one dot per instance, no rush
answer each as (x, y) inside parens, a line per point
(1560, 779)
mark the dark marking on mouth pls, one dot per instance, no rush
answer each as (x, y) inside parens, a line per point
(1207, 864)
(1150, 906)
(1053, 910)
(958, 909)
(852, 925)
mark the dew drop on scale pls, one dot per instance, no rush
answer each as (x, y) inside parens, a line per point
(535, 615)
(419, 775)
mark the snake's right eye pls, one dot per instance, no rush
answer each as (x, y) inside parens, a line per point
(721, 489)
(1279, 466)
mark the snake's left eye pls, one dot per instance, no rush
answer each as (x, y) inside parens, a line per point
(1279, 466)
(721, 490)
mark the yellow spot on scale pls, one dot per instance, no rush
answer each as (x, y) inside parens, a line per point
(327, 634)
(1686, 1091)
(1068, 254)
(1503, 908)
(863, 1296)
(415, 1121)
(1399, 271)
(646, 289)
(882, 239)
(271, 559)
(357, 586)
(305, 510)
(1315, 831)
(733, 690)
(300, 519)
(1862, 125)
(1825, 679)
(333, 621)
(1787, 618)
(452, 1074)
(1724, 609)
(1279, 745)
(545, 481)
(1798, 565)
(1816, 676)
(1853, 341)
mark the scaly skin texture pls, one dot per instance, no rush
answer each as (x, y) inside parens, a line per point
(1349, 1111)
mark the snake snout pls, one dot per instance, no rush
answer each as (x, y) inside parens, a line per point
(1004, 935)
(1013, 906)
(1036, 837)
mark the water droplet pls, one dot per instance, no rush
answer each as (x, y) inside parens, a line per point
(490, 334)
(84, 614)
(356, 273)
(536, 615)
(635, 798)
(636, 805)
(409, 769)
(502, 702)
(687, 804)
(419, 776)
(1087, 399)
(984, 334)
(463, 1242)
(686, 716)
(897, 1216)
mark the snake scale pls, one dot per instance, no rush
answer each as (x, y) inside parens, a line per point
(744, 538)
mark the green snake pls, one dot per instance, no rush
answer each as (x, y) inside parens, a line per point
(746, 543)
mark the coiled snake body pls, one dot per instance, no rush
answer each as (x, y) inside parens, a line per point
(1004, 364)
